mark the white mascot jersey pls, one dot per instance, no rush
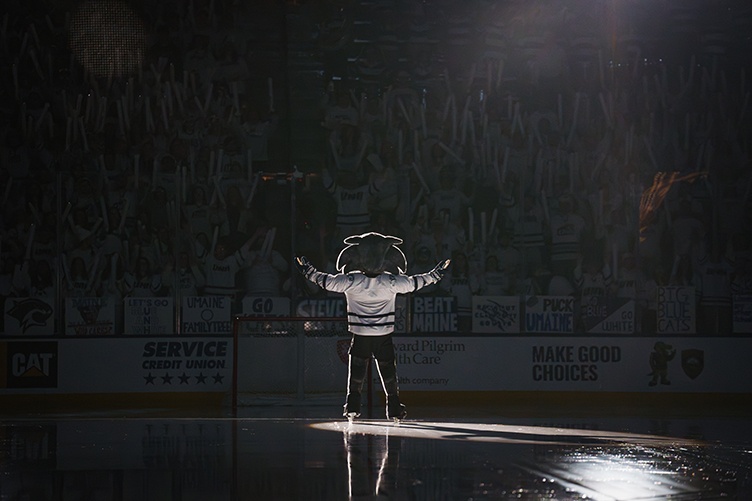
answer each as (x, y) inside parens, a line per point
(371, 275)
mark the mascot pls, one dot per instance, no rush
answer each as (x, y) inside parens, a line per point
(371, 273)
(660, 357)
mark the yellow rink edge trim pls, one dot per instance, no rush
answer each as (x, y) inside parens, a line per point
(524, 402)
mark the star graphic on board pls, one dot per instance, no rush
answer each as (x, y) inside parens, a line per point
(149, 379)
(218, 378)
(184, 378)
(167, 379)
(201, 378)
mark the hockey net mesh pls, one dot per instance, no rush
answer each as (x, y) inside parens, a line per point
(283, 359)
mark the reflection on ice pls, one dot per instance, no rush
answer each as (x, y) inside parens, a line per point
(365, 453)
(585, 464)
(306, 458)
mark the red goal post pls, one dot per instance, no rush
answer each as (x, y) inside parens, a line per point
(288, 358)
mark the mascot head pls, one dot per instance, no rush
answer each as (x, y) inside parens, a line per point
(372, 253)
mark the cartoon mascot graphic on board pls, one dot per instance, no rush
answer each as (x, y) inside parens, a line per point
(371, 272)
(661, 355)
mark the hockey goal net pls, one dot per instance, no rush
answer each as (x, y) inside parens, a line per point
(279, 359)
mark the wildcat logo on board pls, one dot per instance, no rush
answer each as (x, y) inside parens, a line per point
(29, 315)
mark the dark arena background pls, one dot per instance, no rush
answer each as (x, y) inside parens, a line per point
(585, 164)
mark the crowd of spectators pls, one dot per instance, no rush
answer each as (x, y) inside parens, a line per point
(547, 154)
(574, 151)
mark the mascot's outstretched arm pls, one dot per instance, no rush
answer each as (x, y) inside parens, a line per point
(312, 274)
(371, 255)
(438, 271)
(307, 269)
(304, 266)
(421, 280)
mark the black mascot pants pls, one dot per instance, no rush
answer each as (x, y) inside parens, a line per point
(382, 349)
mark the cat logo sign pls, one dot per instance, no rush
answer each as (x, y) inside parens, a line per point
(32, 365)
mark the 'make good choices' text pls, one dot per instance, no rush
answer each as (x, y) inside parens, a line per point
(571, 363)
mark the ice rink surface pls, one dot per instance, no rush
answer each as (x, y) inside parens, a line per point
(444, 451)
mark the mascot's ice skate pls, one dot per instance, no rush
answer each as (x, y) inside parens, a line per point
(371, 273)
